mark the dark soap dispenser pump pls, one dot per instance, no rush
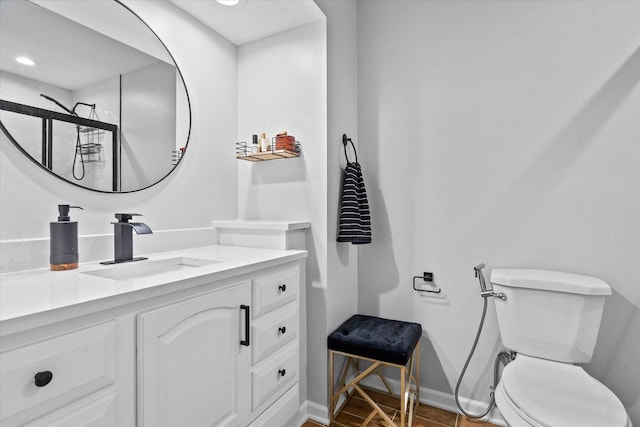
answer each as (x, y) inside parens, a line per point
(64, 241)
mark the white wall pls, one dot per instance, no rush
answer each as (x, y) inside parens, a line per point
(282, 86)
(504, 133)
(148, 127)
(202, 188)
(330, 305)
(307, 187)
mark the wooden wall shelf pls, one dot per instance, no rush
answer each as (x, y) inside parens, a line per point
(243, 152)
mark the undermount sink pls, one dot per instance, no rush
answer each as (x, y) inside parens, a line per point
(147, 268)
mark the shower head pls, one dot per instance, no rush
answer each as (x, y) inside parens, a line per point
(48, 98)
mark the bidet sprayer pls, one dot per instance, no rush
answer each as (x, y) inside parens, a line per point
(478, 269)
(484, 292)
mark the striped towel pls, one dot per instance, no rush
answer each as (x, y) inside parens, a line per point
(355, 221)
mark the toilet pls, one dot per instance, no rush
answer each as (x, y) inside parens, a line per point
(551, 320)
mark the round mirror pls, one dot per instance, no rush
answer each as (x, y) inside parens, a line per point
(90, 93)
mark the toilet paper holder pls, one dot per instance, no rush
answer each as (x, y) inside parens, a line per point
(426, 277)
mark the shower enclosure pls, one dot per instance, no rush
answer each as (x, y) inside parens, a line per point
(87, 140)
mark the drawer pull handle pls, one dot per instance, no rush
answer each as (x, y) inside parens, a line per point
(282, 287)
(247, 324)
(282, 330)
(43, 378)
(282, 372)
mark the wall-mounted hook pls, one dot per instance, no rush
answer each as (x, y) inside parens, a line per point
(345, 140)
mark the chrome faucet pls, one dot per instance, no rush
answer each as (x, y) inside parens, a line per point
(123, 237)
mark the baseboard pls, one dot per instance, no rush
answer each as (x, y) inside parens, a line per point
(447, 402)
(443, 400)
(314, 412)
(320, 413)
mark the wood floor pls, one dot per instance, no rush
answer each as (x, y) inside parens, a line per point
(357, 409)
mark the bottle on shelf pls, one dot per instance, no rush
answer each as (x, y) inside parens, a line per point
(264, 144)
(255, 147)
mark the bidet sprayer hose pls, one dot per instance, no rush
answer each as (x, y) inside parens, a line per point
(501, 357)
(466, 364)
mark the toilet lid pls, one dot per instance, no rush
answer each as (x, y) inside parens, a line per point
(559, 394)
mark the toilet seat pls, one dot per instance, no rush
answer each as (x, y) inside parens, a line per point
(544, 393)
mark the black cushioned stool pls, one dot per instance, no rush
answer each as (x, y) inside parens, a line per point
(383, 343)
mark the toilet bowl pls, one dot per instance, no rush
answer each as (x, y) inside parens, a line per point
(541, 393)
(551, 321)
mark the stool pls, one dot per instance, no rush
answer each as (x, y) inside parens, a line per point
(384, 343)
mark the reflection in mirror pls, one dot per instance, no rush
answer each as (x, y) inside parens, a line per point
(90, 93)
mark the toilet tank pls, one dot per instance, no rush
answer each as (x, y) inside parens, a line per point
(549, 314)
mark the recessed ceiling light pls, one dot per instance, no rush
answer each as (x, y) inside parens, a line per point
(25, 61)
(228, 2)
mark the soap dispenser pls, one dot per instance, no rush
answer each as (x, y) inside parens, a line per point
(64, 241)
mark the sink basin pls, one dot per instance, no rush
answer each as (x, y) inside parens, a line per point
(146, 268)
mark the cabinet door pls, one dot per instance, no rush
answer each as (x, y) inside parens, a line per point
(192, 369)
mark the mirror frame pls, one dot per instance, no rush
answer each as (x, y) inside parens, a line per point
(188, 136)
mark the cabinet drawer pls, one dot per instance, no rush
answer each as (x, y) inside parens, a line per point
(273, 331)
(282, 412)
(274, 375)
(275, 290)
(80, 362)
(95, 411)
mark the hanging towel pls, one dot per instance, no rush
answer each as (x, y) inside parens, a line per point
(355, 221)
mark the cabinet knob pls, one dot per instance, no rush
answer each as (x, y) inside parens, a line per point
(282, 372)
(282, 329)
(43, 378)
(282, 287)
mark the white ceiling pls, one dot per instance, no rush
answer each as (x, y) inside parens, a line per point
(71, 56)
(251, 19)
(68, 55)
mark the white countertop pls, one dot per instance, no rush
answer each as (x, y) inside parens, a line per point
(37, 296)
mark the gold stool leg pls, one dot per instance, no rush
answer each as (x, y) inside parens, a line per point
(374, 405)
(417, 350)
(403, 396)
(369, 418)
(331, 389)
(409, 387)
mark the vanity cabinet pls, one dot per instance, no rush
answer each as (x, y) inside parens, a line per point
(210, 350)
(222, 358)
